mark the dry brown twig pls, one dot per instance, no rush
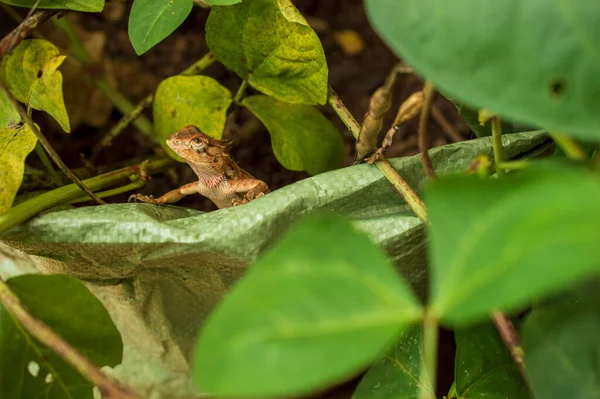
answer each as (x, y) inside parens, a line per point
(428, 95)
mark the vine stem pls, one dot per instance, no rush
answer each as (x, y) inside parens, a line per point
(46, 144)
(24, 29)
(403, 188)
(428, 93)
(27, 209)
(571, 147)
(511, 339)
(430, 353)
(137, 110)
(109, 387)
(240, 92)
(497, 144)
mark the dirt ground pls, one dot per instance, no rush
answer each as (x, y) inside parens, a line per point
(355, 74)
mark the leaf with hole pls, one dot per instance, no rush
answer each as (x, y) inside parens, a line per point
(190, 100)
(75, 5)
(535, 62)
(314, 310)
(29, 369)
(15, 145)
(32, 76)
(151, 21)
(397, 374)
(484, 367)
(302, 138)
(269, 44)
(498, 244)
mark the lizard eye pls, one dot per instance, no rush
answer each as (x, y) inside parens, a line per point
(197, 140)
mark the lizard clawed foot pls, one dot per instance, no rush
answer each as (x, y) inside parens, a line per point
(143, 198)
(250, 195)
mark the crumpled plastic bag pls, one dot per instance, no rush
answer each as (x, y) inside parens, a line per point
(161, 270)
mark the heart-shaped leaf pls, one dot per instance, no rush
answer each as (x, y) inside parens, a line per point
(15, 144)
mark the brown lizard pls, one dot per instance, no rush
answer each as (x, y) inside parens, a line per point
(220, 178)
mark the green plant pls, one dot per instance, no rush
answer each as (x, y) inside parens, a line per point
(323, 300)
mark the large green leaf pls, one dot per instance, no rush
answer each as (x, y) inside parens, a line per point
(223, 2)
(269, 44)
(31, 74)
(484, 367)
(9, 116)
(161, 270)
(532, 61)
(501, 243)
(565, 337)
(28, 369)
(76, 5)
(150, 21)
(190, 100)
(398, 373)
(302, 138)
(15, 145)
(315, 309)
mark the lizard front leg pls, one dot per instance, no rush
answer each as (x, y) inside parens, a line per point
(251, 188)
(168, 198)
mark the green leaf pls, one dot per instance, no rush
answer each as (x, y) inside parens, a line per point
(302, 138)
(15, 145)
(565, 337)
(471, 118)
(484, 367)
(269, 44)
(398, 373)
(28, 369)
(31, 74)
(223, 2)
(150, 21)
(9, 116)
(319, 306)
(501, 243)
(76, 5)
(488, 55)
(190, 100)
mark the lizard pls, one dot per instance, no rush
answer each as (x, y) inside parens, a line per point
(220, 178)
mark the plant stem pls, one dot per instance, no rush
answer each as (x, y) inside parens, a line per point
(115, 191)
(513, 165)
(137, 110)
(511, 339)
(25, 210)
(46, 144)
(46, 161)
(24, 29)
(240, 92)
(407, 193)
(430, 353)
(428, 93)
(38, 329)
(571, 147)
(446, 126)
(497, 144)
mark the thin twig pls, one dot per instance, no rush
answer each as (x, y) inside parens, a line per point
(109, 387)
(571, 147)
(428, 91)
(446, 126)
(107, 140)
(511, 339)
(403, 188)
(24, 29)
(46, 144)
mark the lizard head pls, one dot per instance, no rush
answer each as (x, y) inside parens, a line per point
(199, 149)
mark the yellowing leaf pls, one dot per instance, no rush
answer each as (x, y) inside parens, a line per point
(190, 100)
(269, 43)
(32, 77)
(15, 145)
(9, 116)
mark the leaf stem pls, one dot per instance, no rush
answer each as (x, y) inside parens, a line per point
(428, 93)
(403, 188)
(497, 144)
(46, 144)
(137, 110)
(240, 92)
(43, 333)
(25, 210)
(430, 353)
(571, 147)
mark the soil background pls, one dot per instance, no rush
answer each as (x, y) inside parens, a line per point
(358, 63)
